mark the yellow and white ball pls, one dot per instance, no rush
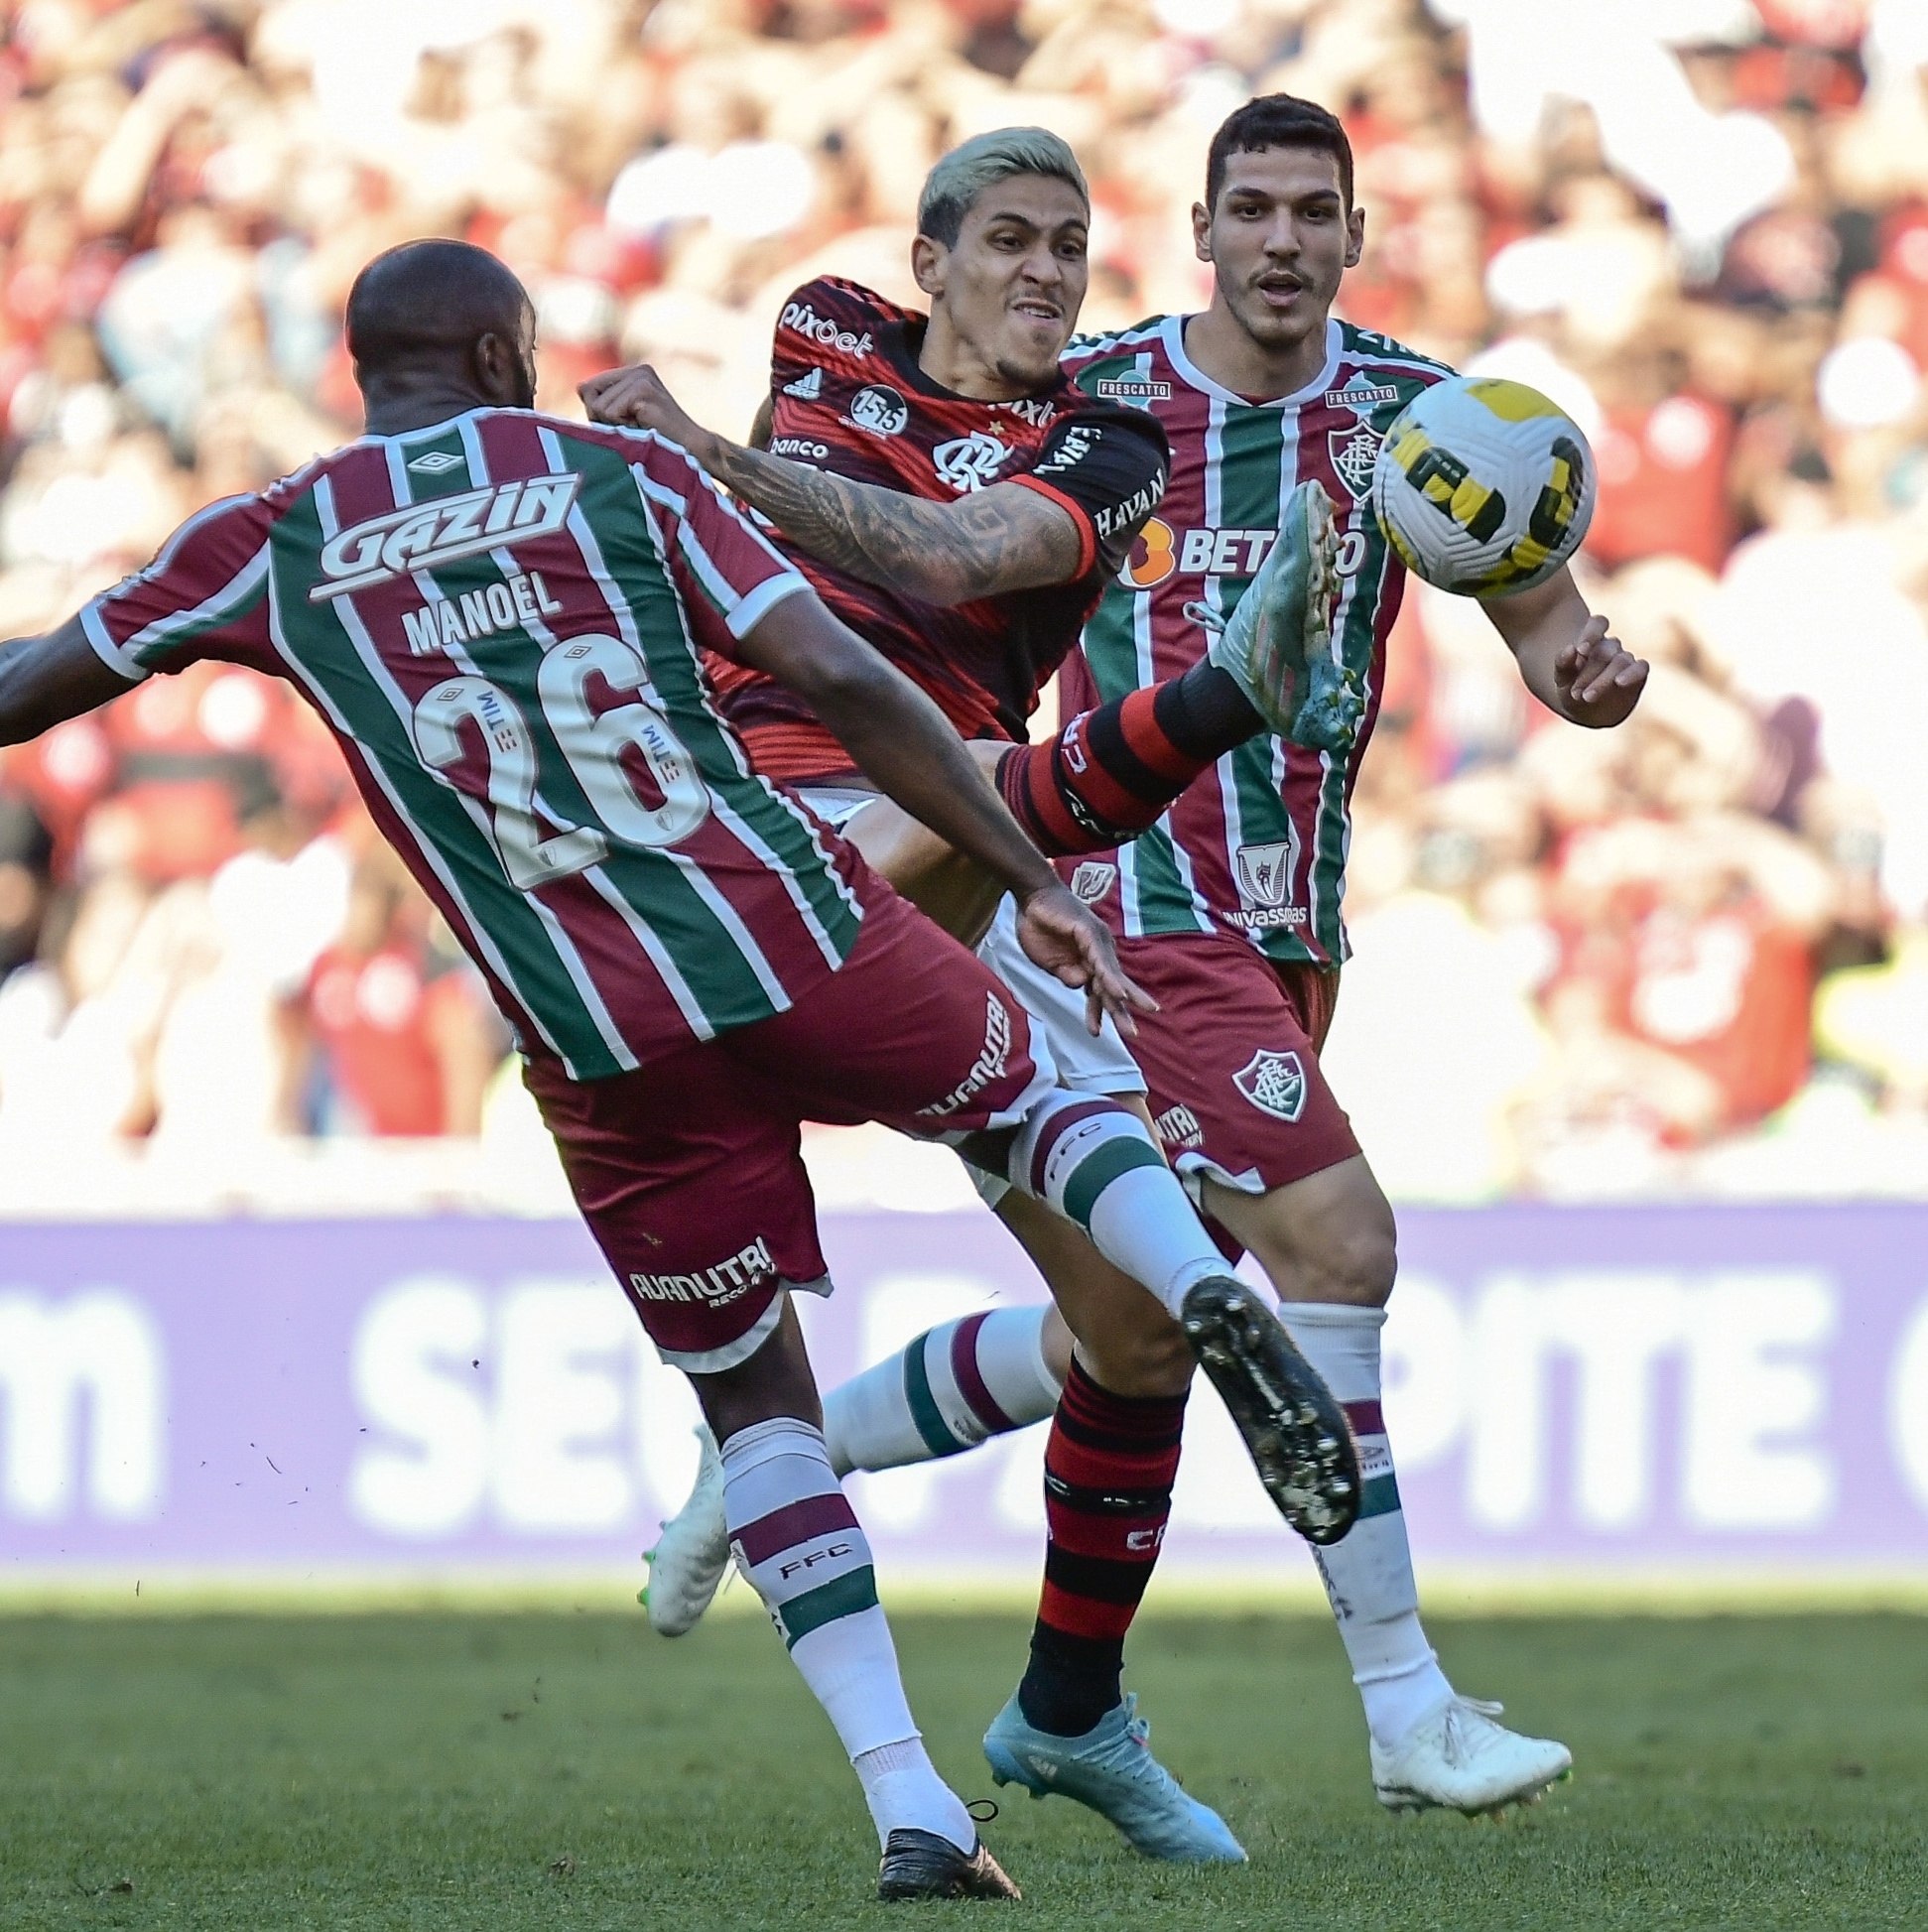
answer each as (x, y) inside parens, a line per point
(1483, 487)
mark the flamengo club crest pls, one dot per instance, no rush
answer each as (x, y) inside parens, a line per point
(970, 461)
(1274, 1082)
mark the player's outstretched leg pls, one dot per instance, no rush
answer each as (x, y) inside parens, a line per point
(797, 1540)
(1429, 1746)
(1109, 1464)
(1094, 1163)
(1277, 644)
(953, 1387)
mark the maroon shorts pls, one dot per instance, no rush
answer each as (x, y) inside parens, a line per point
(690, 1172)
(1230, 1061)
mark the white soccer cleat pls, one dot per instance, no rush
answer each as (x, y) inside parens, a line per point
(1455, 1758)
(688, 1563)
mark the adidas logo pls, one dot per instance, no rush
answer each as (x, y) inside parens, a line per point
(435, 463)
(807, 388)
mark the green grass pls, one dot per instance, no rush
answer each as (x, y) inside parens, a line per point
(563, 1771)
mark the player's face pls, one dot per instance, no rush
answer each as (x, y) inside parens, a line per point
(1012, 285)
(1278, 241)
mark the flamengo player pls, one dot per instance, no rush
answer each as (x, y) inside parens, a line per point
(500, 616)
(1228, 909)
(954, 496)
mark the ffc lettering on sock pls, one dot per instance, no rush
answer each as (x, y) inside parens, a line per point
(1071, 1149)
(1095, 1163)
(796, 1537)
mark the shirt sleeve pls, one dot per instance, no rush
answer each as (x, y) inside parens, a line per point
(730, 574)
(205, 596)
(1109, 469)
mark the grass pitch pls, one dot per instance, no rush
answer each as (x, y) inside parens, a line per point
(562, 1771)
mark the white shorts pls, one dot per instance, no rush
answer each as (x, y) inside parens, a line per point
(1087, 1062)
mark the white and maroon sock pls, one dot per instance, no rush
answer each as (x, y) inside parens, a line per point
(1369, 1572)
(1095, 1163)
(955, 1386)
(798, 1541)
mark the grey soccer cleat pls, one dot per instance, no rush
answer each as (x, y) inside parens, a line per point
(1295, 1431)
(686, 1565)
(1111, 1770)
(925, 1865)
(1277, 645)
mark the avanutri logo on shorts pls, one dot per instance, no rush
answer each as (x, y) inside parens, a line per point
(988, 1067)
(424, 536)
(1274, 1082)
(746, 1269)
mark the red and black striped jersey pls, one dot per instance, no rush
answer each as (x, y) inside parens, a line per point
(847, 395)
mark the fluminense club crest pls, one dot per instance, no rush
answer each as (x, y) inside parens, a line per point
(1274, 1082)
(1354, 452)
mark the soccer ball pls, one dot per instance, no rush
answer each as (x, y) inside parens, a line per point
(1483, 487)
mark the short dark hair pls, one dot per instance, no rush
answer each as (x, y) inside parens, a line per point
(427, 297)
(1277, 121)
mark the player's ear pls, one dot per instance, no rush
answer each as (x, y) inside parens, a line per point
(1355, 236)
(927, 264)
(1202, 230)
(491, 361)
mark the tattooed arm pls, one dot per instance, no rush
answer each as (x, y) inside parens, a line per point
(1005, 538)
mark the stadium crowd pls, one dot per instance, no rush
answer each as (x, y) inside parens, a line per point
(1691, 955)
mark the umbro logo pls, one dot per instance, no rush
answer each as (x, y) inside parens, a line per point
(807, 388)
(435, 463)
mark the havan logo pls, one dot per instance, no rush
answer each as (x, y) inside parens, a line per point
(423, 536)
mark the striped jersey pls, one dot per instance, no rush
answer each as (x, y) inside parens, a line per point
(1258, 846)
(500, 618)
(847, 395)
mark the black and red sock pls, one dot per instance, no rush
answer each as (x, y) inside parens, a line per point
(1108, 1469)
(1112, 772)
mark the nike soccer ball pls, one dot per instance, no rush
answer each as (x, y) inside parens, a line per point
(1483, 487)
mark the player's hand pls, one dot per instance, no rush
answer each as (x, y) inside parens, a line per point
(1070, 943)
(637, 397)
(1600, 680)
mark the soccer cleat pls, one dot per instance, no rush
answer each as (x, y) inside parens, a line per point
(688, 1563)
(925, 1865)
(1277, 645)
(1455, 1758)
(1294, 1431)
(1111, 1770)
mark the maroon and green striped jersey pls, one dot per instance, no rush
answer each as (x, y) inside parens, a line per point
(1258, 846)
(500, 618)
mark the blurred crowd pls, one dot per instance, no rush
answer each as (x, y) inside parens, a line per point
(1687, 955)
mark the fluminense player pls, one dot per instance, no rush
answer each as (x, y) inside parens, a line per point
(963, 506)
(1229, 907)
(500, 615)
